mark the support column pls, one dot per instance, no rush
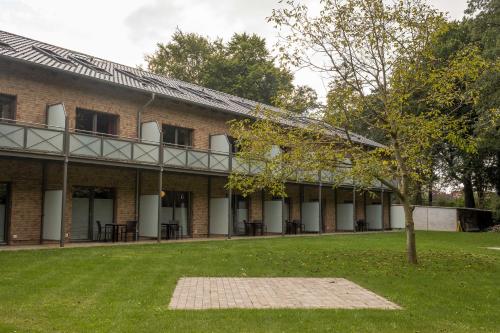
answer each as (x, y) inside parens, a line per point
(382, 204)
(160, 185)
(320, 219)
(209, 194)
(230, 195)
(283, 216)
(137, 199)
(65, 181)
(354, 208)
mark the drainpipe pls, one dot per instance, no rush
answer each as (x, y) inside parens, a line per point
(139, 114)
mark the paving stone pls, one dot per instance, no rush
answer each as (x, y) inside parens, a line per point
(263, 293)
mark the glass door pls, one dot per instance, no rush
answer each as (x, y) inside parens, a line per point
(240, 214)
(90, 204)
(176, 209)
(4, 202)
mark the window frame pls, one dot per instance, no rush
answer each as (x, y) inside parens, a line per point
(190, 131)
(95, 115)
(13, 105)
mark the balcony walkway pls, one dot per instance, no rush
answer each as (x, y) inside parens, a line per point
(55, 245)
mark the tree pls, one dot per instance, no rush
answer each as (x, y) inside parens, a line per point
(242, 67)
(184, 58)
(375, 55)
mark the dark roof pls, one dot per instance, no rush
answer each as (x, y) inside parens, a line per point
(45, 55)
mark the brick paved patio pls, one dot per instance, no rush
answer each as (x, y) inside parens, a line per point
(260, 293)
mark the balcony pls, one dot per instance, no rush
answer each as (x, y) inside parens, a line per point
(43, 140)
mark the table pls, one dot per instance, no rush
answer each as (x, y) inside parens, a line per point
(254, 226)
(115, 230)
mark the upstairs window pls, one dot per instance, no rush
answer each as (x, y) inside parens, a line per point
(7, 107)
(96, 122)
(177, 135)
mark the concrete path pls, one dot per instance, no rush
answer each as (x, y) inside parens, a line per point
(55, 245)
(263, 293)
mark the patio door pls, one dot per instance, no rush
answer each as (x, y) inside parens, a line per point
(240, 214)
(4, 207)
(90, 204)
(176, 206)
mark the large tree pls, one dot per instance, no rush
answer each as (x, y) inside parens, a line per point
(243, 67)
(374, 54)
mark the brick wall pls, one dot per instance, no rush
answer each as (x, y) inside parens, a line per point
(25, 180)
(37, 88)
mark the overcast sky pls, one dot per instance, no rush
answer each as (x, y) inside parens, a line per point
(125, 30)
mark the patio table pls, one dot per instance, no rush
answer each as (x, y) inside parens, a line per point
(114, 230)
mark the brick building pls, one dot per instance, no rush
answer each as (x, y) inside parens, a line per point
(84, 139)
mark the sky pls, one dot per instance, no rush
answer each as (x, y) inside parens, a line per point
(124, 31)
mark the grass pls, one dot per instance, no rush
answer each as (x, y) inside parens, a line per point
(455, 287)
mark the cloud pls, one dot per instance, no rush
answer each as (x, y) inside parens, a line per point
(155, 21)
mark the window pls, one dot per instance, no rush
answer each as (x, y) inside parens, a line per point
(7, 107)
(203, 94)
(177, 135)
(96, 122)
(86, 63)
(53, 55)
(6, 46)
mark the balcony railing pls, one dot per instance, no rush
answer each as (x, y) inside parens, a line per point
(41, 138)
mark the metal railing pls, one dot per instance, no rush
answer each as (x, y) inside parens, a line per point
(41, 138)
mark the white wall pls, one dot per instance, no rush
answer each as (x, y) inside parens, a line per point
(427, 218)
(80, 218)
(52, 205)
(150, 131)
(374, 217)
(345, 216)
(56, 116)
(310, 216)
(397, 217)
(273, 215)
(219, 143)
(219, 210)
(148, 215)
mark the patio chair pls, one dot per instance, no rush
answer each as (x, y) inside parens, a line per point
(130, 228)
(361, 225)
(260, 225)
(101, 231)
(299, 226)
(174, 230)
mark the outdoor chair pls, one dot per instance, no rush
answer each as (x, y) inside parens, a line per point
(299, 226)
(258, 224)
(130, 228)
(99, 231)
(174, 230)
(361, 225)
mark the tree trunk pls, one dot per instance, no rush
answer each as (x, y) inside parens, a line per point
(468, 192)
(411, 247)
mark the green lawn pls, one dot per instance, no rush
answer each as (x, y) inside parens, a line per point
(455, 288)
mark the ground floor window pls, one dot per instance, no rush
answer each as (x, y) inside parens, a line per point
(91, 205)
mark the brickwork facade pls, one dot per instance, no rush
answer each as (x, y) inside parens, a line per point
(35, 89)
